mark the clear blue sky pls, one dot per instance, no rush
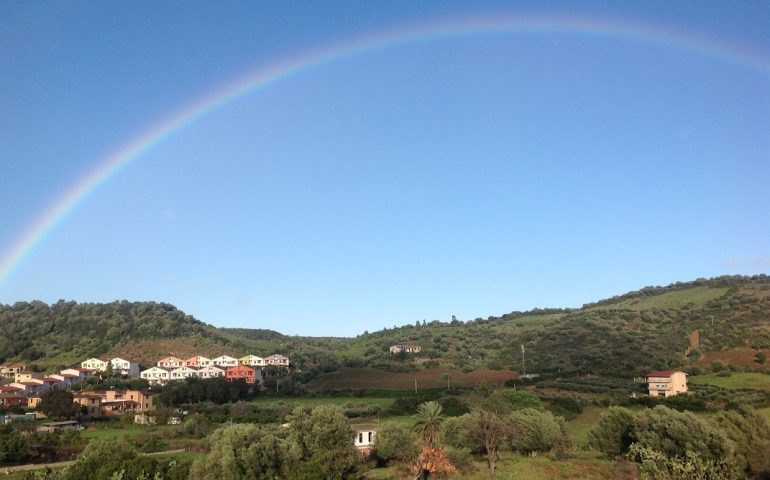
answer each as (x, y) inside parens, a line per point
(466, 175)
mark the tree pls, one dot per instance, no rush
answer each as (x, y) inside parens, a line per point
(428, 423)
(323, 440)
(760, 357)
(432, 461)
(13, 446)
(750, 433)
(489, 429)
(613, 434)
(241, 452)
(674, 433)
(446, 377)
(655, 465)
(101, 458)
(538, 431)
(58, 404)
(396, 442)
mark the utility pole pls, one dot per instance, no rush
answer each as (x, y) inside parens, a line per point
(523, 365)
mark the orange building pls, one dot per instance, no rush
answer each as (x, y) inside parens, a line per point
(243, 372)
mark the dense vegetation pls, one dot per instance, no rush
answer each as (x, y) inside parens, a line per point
(36, 331)
(677, 326)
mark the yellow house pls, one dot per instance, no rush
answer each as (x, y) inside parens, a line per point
(666, 383)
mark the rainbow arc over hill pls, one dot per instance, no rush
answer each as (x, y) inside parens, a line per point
(264, 77)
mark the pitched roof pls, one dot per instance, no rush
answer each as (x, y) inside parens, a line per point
(661, 373)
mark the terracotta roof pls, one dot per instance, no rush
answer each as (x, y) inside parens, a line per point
(661, 373)
(86, 395)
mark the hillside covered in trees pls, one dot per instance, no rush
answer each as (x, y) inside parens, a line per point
(68, 332)
(681, 325)
(653, 328)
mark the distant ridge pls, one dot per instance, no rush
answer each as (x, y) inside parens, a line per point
(684, 325)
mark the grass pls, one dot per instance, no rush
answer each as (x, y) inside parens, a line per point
(382, 402)
(581, 425)
(184, 456)
(696, 296)
(766, 412)
(370, 378)
(115, 432)
(754, 381)
(511, 466)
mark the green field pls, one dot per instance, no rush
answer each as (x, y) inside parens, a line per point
(128, 431)
(382, 402)
(696, 296)
(754, 381)
(765, 412)
(510, 466)
(580, 425)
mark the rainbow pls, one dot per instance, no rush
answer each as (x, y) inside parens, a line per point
(265, 77)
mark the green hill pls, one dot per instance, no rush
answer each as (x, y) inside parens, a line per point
(678, 326)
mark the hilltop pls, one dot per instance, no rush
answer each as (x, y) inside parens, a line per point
(683, 325)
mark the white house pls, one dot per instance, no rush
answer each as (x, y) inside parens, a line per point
(94, 364)
(125, 367)
(170, 362)
(277, 359)
(252, 361)
(82, 373)
(225, 361)
(183, 372)
(197, 361)
(211, 371)
(405, 348)
(363, 437)
(156, 375)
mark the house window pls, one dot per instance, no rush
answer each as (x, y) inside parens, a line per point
(360, 437)
(370, 437)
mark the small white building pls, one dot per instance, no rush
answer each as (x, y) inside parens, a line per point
(170, 362)
(278, 360)
(252, 361)
(125, 367)
(197, 361)
(211, 371)
(405, 348)
(95, 364)
(82, 373)
(180, 373)
(363, 437)
(156, 375)
(225, 361)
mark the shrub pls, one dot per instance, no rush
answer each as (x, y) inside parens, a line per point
(537, 431)
(396, 442)
(613, 434)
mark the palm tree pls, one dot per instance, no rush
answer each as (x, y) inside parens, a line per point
(428, 422)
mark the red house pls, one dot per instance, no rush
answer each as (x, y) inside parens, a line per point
(242, 371)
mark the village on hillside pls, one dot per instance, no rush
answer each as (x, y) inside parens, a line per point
(22, 388)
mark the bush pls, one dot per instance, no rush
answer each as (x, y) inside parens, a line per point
(613, 434)
(461, 458)
(395, 442)
(674, 434)
(538, 431)
(567, 407)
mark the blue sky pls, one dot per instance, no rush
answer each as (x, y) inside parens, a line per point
(466, 175)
